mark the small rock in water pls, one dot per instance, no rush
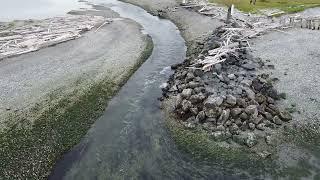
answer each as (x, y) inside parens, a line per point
(164, 85)
(173, 88)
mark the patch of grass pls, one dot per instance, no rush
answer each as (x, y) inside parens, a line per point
(288, 6)
(29, 151)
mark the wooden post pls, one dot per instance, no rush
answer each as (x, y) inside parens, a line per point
(230, 12)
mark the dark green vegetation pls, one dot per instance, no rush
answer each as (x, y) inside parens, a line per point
(289, 6)
(29, 150)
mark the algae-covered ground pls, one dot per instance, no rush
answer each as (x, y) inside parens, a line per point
(289, 6)
(244, 161)
(35, 139)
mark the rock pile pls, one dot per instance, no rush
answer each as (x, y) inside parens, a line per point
(229, 102)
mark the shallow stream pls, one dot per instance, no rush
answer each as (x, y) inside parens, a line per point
(130, 141)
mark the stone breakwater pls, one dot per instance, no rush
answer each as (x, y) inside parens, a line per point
(232, 102)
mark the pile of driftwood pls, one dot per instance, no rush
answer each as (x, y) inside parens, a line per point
(40, 34)
(243, 27)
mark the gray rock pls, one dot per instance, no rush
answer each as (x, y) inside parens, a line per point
(218, 136)
(186, 105)
(239, 138)
(264, 154)
(231, 76)
(234, 129)
(197, 98)
(261, 126)
(235, 112)
(276, 120)
(251, 140)
(257, 120)
(260, 98)
(213, 120)
(213, 112)
(285, 116)
(244, 116)
(244, 126)
(164, 86)
(189, 125)
(173, 88)
(221, 128)
(268, 116)
(178, 100)
(194, 110)
(231, 100)
(268, 140)
(238, 122)
(241, 102)
(224, 116)
(193, 84)
(227, 123)
(249, 67)
(252, 109)
(252, 126)
(212, 101)
(199, 90)
(186, 93)
(198, 72)
(190, 76)
(246, 82)
(250, 94)
(201, 117)
(270, 100)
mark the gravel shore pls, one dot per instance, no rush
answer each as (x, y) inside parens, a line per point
(50, 98)
(296, 59)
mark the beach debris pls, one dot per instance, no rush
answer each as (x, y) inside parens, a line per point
(36, 35)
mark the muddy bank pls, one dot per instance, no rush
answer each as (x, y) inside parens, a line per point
(51, 97)
(193, 26)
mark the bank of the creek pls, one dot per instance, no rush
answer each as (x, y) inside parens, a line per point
(134, 138)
